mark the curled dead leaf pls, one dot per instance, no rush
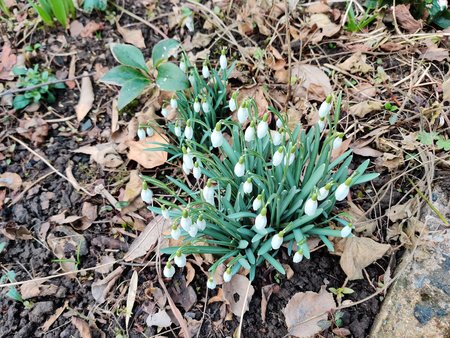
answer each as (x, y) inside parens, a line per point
(356, 64)
(10, 180)
(311, 82)
(104, 154)
(86, 98)
(363, 108)
(405, 19)
(140, 151)
(133, 36)
(238, 292)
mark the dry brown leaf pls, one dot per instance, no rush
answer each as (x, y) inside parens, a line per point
(363, 108)
(82, 327)
(317, 7)
(32, 289)
(358, 217)
(114, 117)
(323, 22)
(190, 273)
(133, 187)
(133, 36)
(76, 27)
(13, 231)
(446, 90)
(363, 91)
(7, 62)
(335, 153)
(131, 297)
(434, 53)
(49, 322)
(305, 305)
(101, 287)
(159, 319)
(200, 40)
(266, 292)
(312, 82)
(356, 64)
(238, 285)
(10, 180)
(34, 129)
(367, 152)
(104, 154)
(391, 46)
(147, 239)
(389, 161)
(406, 20)
(257, 94)
(141, 153)
(86, 98)
(91, 27)
(360, 252)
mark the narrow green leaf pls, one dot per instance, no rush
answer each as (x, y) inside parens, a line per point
(274, 263)
(59, 10)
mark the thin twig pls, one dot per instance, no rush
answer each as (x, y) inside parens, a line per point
(289, 51)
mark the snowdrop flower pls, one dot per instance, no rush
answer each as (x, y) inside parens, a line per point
(208, 193)
(189, 23)
(191, 79)
(290, 159)
(443, 4)
(278, 157)
(183, 66)
(165, 212)
(324, 191)
(196, 171)
(205, 70)
(188, 161)
(201, 223)
(188, 131)
(346, 231)
(193, 230)
(242, 113)
(146, 193)
(141, 134)
(175, 232)
(180, 259)
(216, 136)
(261, 219)
(227, 275)
(205, 106)
(279, 123)
(322, 123)
(174, 102)
(311, 205)
(263, 127)
(257, 203)
(186, 169)
(338, 141)
(298, 257)
(149, 131)
(211, 283)
(250, 132)
(169, 270)
(248, 186)
(232, 104)
(186, 220)
(164, 112)
(277, 240)
(196, 106)
(239, 168)
(325, 107)
(343, 190)
(177, 129)
(223, 60)
(277, 137)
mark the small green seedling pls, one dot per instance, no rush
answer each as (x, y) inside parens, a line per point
(341, 292)
(354, 24)
(33, 48)
(76, 261)
(390, 107)
(12, 291)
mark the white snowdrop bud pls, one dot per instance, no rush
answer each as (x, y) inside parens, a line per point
(239, 168)
(165, 212)
(205, 106)
(205, 71)
(196, 171)
(186, 220)
(177, 130)
(196, 106)
(180, 259)
(325, 107)
(242, 113)
(261, 219)
(223, 61)
(191, 79)
(346, 231)
(183, 66)
(175, 233)
(227, 275)
(250, 132)
(257, 203)
(216, 136)
(311, 205)
(164, 112)
(174, 103)
(187, 159)
(201, 223)
(208, 193)
(343, 190)
(186, 169)
(322, 123)
(189, 23)
(324, 191)
(248, 186)
(298, 257)
(277, 137)
(211, 284)
(193, 230)
(232, 104)
(263, 127)
(337, 142)
(169, 270)
(146, 193)
(443, 4)
(277, 240)
(141, 134)
(150, 132)
(188, 131)
(290, 159)
(278, 157)
(279, 123)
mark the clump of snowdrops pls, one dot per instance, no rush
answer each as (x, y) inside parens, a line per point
(262, 187)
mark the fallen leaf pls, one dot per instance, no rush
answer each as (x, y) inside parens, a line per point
(183, 294)
(317, 7)
(190, 273)
(305, 310)
(434, 53)
(200, 40)
(76, 27)
(106, 264)
(356, 64)
(360, 252)
(131, 297)
(266, 292)
(341, 332)
(101, 287)
(389, 161)
(86, 98)
(446, 90)
(159, 319)
(405, 19)
(10, 180)
(323, 22)
(140, 151)
(363, 91)
(238, 292)
(133, 187)
(358, 217)
(311, 82)
(32, 289)
(147, 239)
(363, 108)
(34, 129)
(366, 152)
(7, 62)
(82, 327)
(104, 154)
(91, 27)
(391, 46)
(133, 36)
(49, 322)
(257, 94)
(13, 231)
(114, 117)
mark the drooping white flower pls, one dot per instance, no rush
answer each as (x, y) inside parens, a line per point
(211, 283)
(277, 137)
(188, 131)
(189, 23)
(257, 203)
(223, 60)
(186, 220)
(188, 161)
(290, 159)
(346, 231)
(205, 107)
(193, 230)
(205, 71)
(325, 107)
(443, 4)
(141, 134)
(263, 127)
(324, 191)
(277, 240)
(239, 168)
(261, 219)
(242, 113)
(337, 142)
(183, 66)
(248, 186)
(169, 270)
(343, 190)
(322, 123)
(196, 171)
(208, 193)
(298, 257)
(250, 132)
(191, 79)
(173, 103)
(216, 136)
(311, 205)
(227, 275)
(196, 106)
(165, 212)
(279, 123)
(164, 112)
(180, 259)
(177, 129)
(186, 169)
(232, 104)
(150, 132)
(146, 193)
(201, 223)
(175, 233)
(278, 157)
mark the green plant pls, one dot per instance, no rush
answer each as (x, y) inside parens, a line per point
(341, 292)
(33, 48)
(76, 261)
(33, 79)
(355, 24)
(428, 138)
(4, 8)
(90, 5)
(134, 76)
(51, 10)
(390, 107)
